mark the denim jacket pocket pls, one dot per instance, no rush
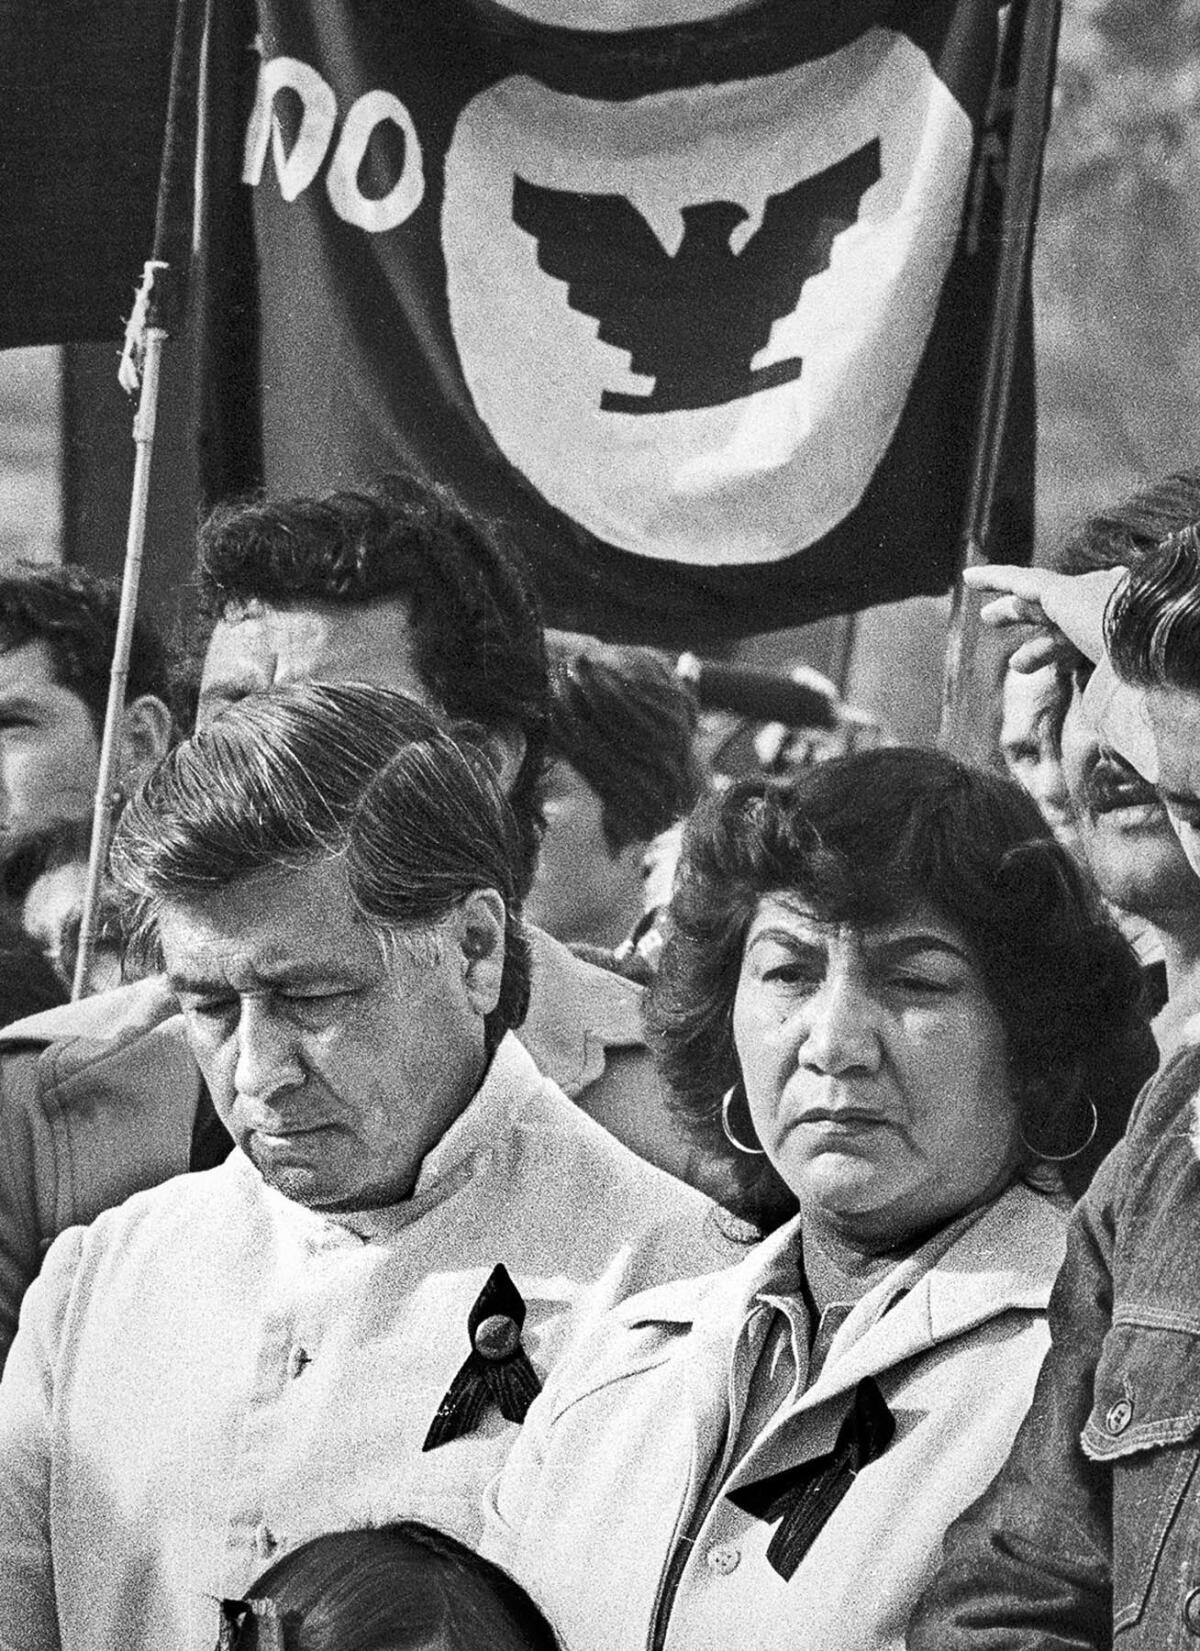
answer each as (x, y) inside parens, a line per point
(1144, 1426)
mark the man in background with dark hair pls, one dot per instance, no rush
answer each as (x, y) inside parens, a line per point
(399, 588)
(58, 628)
(623, 771)
(346, 1321)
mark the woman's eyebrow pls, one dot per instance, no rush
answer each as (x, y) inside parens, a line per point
(908, 945)
(787, 937)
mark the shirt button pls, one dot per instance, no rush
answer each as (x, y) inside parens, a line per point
(298, 1358)
(1119, 1416)
(497, 1337)
(721, 1558)
(265, 1541)
(1191, 1612)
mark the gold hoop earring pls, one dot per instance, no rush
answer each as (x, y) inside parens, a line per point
(727, 1100)
(1065, 1157)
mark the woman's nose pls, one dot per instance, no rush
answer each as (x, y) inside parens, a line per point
(268, 1061)
(841, 1029)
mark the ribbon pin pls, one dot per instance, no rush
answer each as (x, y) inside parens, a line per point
(496, 1372)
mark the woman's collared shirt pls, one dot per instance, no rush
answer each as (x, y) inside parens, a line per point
(608, 1512)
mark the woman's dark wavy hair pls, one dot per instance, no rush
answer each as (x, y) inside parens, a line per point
(862, 840)
(324, 771)
(401, 1587)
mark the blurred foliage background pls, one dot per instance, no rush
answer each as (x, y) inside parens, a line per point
(1117, 269)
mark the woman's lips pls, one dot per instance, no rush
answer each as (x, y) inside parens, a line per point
(851, 1118)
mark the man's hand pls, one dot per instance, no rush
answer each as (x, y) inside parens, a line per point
(1064, 612)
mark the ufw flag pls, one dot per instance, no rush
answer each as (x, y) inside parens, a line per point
(697, 308)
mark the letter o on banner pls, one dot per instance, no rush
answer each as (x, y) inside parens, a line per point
(348, 200)
(296, 169)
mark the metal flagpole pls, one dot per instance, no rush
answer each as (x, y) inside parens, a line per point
(1038, 23)
(156, 315)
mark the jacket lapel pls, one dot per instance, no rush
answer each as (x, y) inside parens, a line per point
(963, 1279)
(709, 1313)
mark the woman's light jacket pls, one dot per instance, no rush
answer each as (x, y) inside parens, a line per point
(595, 1511)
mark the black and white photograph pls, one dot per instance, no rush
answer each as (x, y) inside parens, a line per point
(599, 825)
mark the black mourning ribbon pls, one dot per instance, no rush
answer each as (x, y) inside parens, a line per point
(804, 1497)
(497, 1370)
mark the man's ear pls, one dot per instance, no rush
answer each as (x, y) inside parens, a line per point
(506, 748)
(480, 936)
(145, 737)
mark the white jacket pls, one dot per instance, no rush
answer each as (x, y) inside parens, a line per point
(210, 1373)
(615, 1453)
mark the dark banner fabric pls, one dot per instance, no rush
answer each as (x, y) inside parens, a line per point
(83, 88)
(697, 309)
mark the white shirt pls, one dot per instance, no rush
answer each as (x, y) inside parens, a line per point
(211, 1373)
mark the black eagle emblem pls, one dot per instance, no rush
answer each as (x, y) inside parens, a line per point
(693, 320)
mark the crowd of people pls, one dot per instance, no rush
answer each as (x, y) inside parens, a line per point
(513, 1185)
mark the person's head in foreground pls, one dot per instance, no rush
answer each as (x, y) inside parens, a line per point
(623, 770)
(890, 990)
(1123, 829)
(58, 628)
(397, 585)
(402, 1587)
(332, 883)
(1153, 637)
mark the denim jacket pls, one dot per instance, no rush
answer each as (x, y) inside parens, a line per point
(1090, 1535)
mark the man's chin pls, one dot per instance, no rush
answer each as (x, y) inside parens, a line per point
(290, 1170)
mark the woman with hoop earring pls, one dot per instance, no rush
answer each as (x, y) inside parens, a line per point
(886, 995)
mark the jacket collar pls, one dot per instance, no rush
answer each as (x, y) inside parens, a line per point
(1003, 1257)
(576, 1012)
(103, 1020)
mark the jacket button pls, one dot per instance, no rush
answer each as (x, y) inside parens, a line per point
(1119, 1416)
(497, 1337)
(721, 1558)
(1191, 1612)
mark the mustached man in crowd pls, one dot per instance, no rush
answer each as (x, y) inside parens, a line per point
(1088, 1537)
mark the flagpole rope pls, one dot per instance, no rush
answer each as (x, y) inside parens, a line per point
(156, 314)
(107, 795)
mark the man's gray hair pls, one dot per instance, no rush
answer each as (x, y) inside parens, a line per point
(318, 772)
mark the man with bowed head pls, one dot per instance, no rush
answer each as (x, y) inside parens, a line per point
(346, 1321)
(397, 587)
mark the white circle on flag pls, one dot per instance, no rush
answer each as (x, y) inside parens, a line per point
(805, 413)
